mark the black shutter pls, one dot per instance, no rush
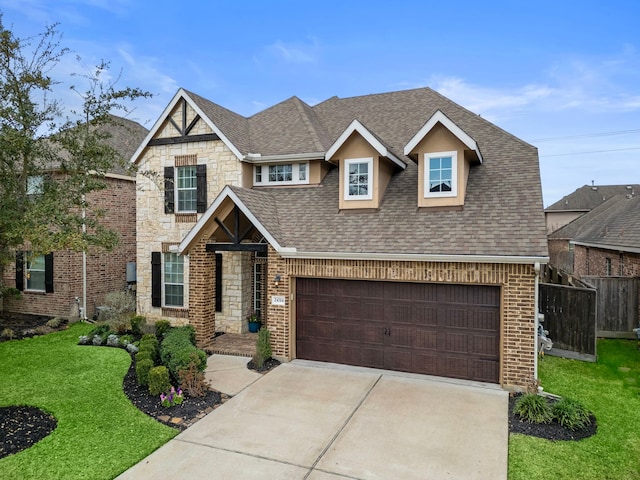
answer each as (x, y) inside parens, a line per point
(20, 271)
(48, 273)
(169, 202)
(218, 282)
(156, 279)
(201, 183)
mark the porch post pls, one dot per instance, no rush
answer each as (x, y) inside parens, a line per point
(202, 287)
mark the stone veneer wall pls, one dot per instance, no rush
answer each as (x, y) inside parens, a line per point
(154, 227)
(236, 292)
(518, 300)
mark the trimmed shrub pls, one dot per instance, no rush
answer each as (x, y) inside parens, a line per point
(144, 355)
(162, 327)
(113, 341)
(142, 371)
(98, 340)
(84, 340)
(176, 350)
(571, 414)
(263, 344)
(7, 334)
(533, 408)
(137, 323)
(126, 340)
(56, 322)
(192, 379)
(159, 380)
(132, 348)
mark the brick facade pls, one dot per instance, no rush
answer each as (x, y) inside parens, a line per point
(593, 261)
(106, 271)
(517, 283)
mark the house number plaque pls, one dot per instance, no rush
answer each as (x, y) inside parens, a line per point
(278, 300)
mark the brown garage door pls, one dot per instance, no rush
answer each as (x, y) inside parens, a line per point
(435, 329)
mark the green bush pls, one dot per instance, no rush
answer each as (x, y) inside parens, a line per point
(142, 371)
(176, 349)
(162, 327)
(571, 414)
(263, 343)
(102, 329)
(159, 380)
(533, 409)
(149, 343)
(144, 355)
(137, 322)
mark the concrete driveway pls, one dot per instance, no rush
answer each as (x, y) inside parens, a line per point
(321, 422)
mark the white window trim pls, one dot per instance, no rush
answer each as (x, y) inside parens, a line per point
(295, 174)
(27, 274)
(347, 163)
(177, 190)
(454, 174)
(185, 286)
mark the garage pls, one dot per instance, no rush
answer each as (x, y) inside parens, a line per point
(436, 329)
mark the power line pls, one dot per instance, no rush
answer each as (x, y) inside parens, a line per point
(585, 153)
(586, 135)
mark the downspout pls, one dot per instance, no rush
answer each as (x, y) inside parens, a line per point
(83, 313)
(536, 322)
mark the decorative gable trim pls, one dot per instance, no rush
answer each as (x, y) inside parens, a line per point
(356, 126)
(440, 117)
(182, 95)
(209, 216)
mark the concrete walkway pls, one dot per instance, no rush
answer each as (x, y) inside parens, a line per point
(306, 421)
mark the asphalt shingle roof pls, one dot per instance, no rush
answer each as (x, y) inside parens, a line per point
(588, 197)
(502, 214)
(615, 222)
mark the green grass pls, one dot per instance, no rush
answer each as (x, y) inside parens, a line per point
(609, 388)
(100, 433)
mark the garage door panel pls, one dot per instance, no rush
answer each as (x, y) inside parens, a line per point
(436, 329)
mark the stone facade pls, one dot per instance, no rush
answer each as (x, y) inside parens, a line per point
(106, 271)
(155, 227)
(236, 292)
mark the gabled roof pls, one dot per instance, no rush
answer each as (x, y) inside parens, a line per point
(376, 142)
(440, 117)
(613, 224)
(588, 197)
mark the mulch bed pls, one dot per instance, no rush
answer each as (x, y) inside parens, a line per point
(22, 426)
(550, 431)
(24, 325)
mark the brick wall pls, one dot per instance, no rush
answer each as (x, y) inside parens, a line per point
(593, 261)
(106, 271)
(560, 256)
(518, 299)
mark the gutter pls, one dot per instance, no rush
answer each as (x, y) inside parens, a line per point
(413, 257)
(258, 158)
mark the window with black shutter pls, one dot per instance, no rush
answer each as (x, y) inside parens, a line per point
(156, 279)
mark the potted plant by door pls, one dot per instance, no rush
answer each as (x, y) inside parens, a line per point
(254, 323)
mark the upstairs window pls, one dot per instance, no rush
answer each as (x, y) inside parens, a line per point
(35, 185)
(186, 188)
(281, 174)
(358, 183)
(441, 170)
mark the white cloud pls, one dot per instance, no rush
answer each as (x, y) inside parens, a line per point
(296, 52)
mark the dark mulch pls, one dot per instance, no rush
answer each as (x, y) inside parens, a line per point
(23, 426)
(266, 366)
(190, 411)
(22, 325)
(551, 431)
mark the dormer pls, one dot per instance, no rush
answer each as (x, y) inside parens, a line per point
(444, 154)
(366, 166)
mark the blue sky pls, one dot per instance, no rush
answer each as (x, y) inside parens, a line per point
(564, 76)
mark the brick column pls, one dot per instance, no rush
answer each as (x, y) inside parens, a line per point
(277, 317)
(202, 287)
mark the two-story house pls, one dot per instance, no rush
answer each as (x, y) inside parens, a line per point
(395, 231)
(57, 283)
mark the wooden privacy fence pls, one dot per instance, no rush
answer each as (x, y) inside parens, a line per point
(569, 316)
(617, 305)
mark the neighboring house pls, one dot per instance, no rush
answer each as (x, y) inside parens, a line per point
(581, 201)
(603, 242)
(50, 284)
(395, 231)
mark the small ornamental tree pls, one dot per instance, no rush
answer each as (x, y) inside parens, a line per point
(52, 159)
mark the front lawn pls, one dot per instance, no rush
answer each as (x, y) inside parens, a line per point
(611, 389)
(100, 433)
